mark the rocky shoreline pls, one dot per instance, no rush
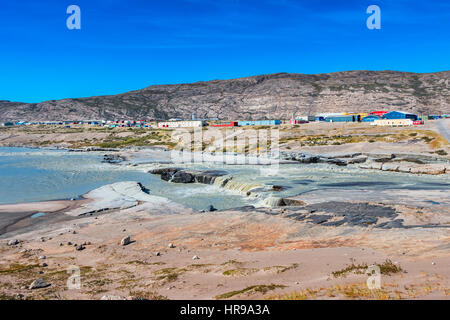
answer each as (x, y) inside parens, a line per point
(406, 163)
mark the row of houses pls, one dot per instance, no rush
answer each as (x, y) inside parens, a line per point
(374, 118)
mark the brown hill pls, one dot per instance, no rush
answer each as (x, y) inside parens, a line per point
(259, 97)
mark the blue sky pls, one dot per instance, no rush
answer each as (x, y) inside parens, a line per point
(128, 45)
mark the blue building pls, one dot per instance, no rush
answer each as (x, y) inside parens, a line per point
(259, 123)
(400, 115)
(370, 118)
(343, 118)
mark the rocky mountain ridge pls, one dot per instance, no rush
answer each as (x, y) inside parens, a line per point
(274, 96)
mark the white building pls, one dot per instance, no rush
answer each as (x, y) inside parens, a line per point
(392, 122)
(182, 124)
(305, 118)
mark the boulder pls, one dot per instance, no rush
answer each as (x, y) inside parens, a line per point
(13, 242)
(358, 159)
(293, 202)
(38, 284)
(125, 241)
(182, 177)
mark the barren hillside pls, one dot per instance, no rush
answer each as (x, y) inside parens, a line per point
(259, 97)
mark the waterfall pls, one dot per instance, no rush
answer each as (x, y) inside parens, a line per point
(272, 201)
(229, 183)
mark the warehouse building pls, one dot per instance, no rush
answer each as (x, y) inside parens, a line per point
(393, 122)
(371, 118)
(343, 118)
(378, 113)
(400, 115)
(229, 124)
(182, 124)
(305, 118)
(259, 123)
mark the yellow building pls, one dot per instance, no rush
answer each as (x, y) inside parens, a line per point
(362, 114)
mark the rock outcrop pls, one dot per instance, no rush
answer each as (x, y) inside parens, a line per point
(178, 175)
(406, 163)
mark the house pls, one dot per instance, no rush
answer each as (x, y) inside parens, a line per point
(298, 121)
(305, 118)
(400, 115)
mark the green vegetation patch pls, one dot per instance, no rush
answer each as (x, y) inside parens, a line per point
(386, 268)
(252, 289)
(239, 272)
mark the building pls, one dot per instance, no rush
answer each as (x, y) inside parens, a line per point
(305, 118)
(343, 118)
(400, 115)
(378, 113)
(298, 121)
(371, 118)
(230, 124)
(393, 122)
(361, 114)
(259, 123)
(182, 124)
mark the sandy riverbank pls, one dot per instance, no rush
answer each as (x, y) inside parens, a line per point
(246, 254)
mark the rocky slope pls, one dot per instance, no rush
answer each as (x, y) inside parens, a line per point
(259, 97)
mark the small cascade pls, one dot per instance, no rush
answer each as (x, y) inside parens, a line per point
(221, 181)
(241, 186)
(229, 183)
(271, 202)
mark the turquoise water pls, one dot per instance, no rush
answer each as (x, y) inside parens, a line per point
(37, 215)
(28, 175)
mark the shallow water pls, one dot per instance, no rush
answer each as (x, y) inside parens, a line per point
(28, 175)
(36, 175)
